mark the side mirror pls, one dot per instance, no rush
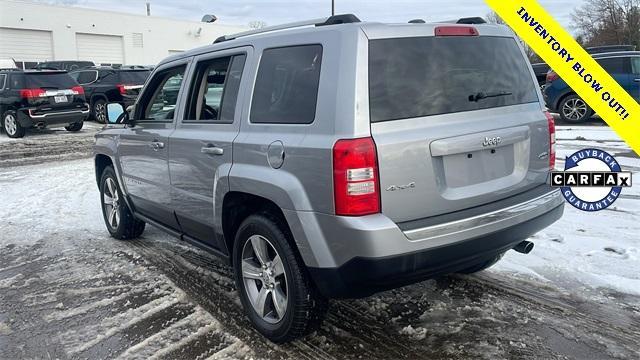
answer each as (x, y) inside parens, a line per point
(116, 114)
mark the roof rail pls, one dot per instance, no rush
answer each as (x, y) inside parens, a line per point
(331, 20)
(471, 20)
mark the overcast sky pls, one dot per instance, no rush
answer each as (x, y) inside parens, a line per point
(240, 12)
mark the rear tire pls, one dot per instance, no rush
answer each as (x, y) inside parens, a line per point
(284, 281)
(75, 126)
(482, 266)
(574, 110)
(99, 111)
(11, 125)
(118, 218)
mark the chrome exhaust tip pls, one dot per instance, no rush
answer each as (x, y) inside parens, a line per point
(524, 247)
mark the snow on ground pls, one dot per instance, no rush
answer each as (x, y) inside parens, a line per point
(67, 290)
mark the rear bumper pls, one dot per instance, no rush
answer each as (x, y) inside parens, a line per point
(358, 256)
(362, 277)
(28, 117)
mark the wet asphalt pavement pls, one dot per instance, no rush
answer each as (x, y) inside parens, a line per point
(67, 290)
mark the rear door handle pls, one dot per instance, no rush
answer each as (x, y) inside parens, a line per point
(636, 80)
(213, 150)
(156, 145)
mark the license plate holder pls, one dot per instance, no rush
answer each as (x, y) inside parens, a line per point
(60, 99)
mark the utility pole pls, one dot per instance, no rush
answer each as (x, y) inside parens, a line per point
(333, 7)
(148, 8)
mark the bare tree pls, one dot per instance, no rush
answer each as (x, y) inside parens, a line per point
(257, 24)
(608, 22)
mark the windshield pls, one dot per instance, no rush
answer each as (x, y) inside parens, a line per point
(52, 80)
(137, 77)
(422, 76)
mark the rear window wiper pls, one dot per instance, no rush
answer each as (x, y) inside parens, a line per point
(483, 95)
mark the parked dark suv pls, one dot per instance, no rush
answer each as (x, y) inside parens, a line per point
(68, 65)
(33, 98)
(103, 85)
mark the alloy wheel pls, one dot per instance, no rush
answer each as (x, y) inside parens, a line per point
(111, 203)
(100, 111)
(574, 109)
(264, 279)
(10, 125)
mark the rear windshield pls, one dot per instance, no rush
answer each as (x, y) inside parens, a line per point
(49, 81)
(422, 76)
(134, 77)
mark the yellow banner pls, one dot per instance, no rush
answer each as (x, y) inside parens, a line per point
(569, 60)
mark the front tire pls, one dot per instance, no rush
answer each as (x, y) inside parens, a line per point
(75, 127)
(11, 125)
(574, 110)
(276, 293)
(118, 218)
(99, 111)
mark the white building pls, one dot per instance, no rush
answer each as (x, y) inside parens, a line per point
(33, 32)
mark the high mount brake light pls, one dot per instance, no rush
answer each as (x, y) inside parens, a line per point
(355, 177)
(456, 30)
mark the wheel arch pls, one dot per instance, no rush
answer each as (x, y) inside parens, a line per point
(101, 162)
(237, 206)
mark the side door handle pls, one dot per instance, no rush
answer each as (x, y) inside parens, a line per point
(636, 80)
(213, 150)
(156, 145)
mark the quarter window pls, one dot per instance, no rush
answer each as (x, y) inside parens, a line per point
(85, 77)
(214, 90)
(3, 77)
(286, 89)
(160, 104)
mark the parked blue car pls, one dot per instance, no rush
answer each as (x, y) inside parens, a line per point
(623, 66)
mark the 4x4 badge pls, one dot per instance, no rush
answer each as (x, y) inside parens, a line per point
(410, 185)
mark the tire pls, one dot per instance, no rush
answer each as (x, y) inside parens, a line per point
(574, 110)
(482, 266)
(302, 307)
(75, 126)
(119, 220)
(99, 111)
(11, 125)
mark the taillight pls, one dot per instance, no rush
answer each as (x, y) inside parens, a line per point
(552, 76)
(32, 93)
(456, 31)
(122, 89)
(552, 140)
(78, 90)
(355, 177)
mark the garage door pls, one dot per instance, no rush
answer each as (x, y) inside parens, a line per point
(101, 49)
(26, 45)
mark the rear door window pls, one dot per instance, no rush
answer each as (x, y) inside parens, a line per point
(635, 64)
(619, 65)
(423, 76)
(214, 90)
(286, 88)
(46, 80)
(134, 77)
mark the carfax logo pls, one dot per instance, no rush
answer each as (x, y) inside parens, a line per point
(592, 179)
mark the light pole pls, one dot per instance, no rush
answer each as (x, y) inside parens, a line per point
(333, 7)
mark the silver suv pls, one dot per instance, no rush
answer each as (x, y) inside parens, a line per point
(336, 159)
